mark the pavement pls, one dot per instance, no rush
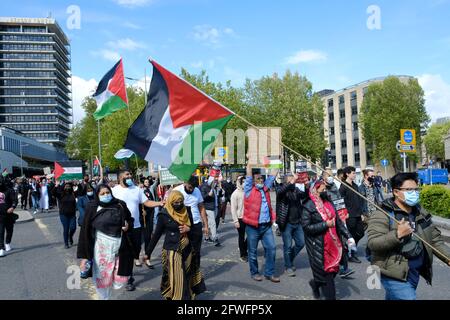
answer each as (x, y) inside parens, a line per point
(24, 216)
(40, 268)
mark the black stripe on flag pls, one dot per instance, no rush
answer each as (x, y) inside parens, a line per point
(103, 85)
(146, 126)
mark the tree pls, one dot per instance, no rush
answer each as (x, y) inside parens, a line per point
(387, 107)
(434, 140)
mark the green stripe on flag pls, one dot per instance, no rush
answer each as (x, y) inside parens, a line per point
(71, 176)
(185, 165)
(110, 106)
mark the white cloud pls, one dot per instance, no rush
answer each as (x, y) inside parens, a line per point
(81, 89)
(306, 56)
(437, 95)
(209, 35)
(132, 26)
(107, 54)
(133, 3)
(126, 44)
(197, 64)
(142, 84)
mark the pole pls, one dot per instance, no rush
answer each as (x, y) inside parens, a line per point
(99, 142)
(92, 164)
(404, 161)
(21, 160)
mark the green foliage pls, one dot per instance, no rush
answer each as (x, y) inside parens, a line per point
(388, 107)
(434, 140)
(436, 199)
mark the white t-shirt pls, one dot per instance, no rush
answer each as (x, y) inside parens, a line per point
(133, 197)
(192, 200)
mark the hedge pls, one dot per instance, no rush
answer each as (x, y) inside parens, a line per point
(436, 199)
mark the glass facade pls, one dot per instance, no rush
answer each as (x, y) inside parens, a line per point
(35, 90)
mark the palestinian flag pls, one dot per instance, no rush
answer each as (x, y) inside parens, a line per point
(273, 162)
(170, 130)
(111, 94)
(68, 170)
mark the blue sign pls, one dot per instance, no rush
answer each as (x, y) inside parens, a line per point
(384, 162)
(222, 152)
(408, 136)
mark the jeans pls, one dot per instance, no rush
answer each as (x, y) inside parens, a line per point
(242, 240)
(35, 201)
(378, 195)
(69, 228)
(264, 234)
(292, 232)
(81, 205)
(398, 290)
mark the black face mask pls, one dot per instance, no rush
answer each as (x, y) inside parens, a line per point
(188, 191)
(178, 207)
(371, 180)
(324, 195)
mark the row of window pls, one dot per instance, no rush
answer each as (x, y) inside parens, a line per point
(28, 118)
(43, 136)
(27, 100)
(40, 29)
(24, 65)
(26, 47)
(342, 113)
(27, 109)
(27, 83)
(343, 129)
(29, 56)
(27, 74)
(344, 144)
(27, 92)
(37, 127)
(26, 37)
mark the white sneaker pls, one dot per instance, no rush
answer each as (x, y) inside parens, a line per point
(8, 247)
(35, 211)
(2, 253)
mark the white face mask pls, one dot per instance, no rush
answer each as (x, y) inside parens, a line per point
(300, 186)
(330, 180)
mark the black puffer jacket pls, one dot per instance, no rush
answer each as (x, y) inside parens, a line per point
(314, 229)
(287, 194)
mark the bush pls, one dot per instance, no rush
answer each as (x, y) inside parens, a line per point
(436, 199)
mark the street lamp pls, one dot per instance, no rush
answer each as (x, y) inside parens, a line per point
(21, 157)
(92, 164)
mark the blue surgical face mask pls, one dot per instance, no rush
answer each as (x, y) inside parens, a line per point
(412, 198)
(129, 182)
(106, 198)
(90, 193)
(259, 185)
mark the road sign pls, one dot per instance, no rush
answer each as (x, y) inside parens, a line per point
(408, 140)
(399, 143)
(221, 154)
(301, 166)
(384, 162)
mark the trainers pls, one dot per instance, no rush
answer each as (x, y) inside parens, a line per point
(257, 277)
(243, 259)
(272, 278)
(137, 263)
(148, 264)
(315, 289)
(2, 253)
(66, 246)
(130, 287)
(8, 247)
(345, 273)
(354, 259)
(290, 272)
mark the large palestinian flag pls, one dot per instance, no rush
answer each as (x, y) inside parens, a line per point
(111, 93)
(170, 130)
(68, 170)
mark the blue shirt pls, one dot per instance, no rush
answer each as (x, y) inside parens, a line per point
(264, 215)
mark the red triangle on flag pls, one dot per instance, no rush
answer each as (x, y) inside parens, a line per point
(59, 171)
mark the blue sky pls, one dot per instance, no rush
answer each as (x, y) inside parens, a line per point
(327, 41)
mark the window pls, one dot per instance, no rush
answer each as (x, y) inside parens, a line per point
(356, 142)
(333, 146)
(354, 110)
(332, 131)
(353, 95)
(331, 116)
(342, 114)
(330, 103)
(357, 157)
(343, 143)
(355, 126)
(343, 128)
(344, 159)
(341, 99)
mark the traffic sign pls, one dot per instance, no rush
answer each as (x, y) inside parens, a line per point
(408, 148)
(384, 163)
(221, 154)
(408, 140)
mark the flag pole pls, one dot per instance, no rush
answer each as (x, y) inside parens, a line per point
(99, 142)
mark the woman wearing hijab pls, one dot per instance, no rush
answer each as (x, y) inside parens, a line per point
(104, 240)
(181, 279)
(323, 230)
(67, 205)
(44, 199)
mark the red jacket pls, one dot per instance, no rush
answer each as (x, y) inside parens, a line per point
(252, 207)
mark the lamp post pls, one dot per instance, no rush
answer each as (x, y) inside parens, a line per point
(21, 157)
(92, 164)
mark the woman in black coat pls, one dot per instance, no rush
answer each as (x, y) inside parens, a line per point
(104, 240)
(323, 230)
(67, 205)
(181, 279)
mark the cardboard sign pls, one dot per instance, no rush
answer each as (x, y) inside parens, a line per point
(167, 179)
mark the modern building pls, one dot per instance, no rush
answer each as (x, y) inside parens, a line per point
(341, 125)
(442, 120)
(35, 79)
(18, 154)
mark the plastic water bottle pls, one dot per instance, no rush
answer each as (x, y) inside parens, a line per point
(84, 273)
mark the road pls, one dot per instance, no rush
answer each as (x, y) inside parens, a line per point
(36, 269)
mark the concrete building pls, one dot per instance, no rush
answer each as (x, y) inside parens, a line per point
(18, 152)
(341, 125)
(35, 79)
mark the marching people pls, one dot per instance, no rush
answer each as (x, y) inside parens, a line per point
(182, 278)
(323, 233)
(24, 189)
(82, 198)
(339, 206)
(378, 185)
(212, 193)
(401, 257)
(44, 198)
(259, 218)
(104, 240)
(237, 212)
(147, 217)
(35, 192)
(8, 203)
(368, 189)
(354, 205)
(193, 198)
(288, 211)
(128, 192)
(228, 188)
(67, 205)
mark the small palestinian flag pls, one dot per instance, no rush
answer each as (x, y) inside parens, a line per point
(170, 131)
(68, 170)
(5, 172)
(273, 162)
(111, 94)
